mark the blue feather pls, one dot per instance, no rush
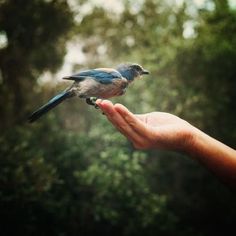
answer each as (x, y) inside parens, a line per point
(127, 73)
(48, 106)
(103, 76)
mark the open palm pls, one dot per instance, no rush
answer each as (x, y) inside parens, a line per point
(150, 130)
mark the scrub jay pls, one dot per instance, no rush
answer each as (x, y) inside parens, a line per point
(92, 84)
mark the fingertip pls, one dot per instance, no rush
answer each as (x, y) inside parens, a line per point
(107, 107)
(106, 103)
(98, 101)
(118, 106)
(121, 109)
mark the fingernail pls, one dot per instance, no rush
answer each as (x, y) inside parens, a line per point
(99, 101)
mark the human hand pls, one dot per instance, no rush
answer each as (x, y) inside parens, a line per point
(151, 130)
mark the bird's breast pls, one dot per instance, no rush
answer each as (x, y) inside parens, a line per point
(92, 88)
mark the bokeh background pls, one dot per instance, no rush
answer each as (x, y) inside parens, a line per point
(72, 173)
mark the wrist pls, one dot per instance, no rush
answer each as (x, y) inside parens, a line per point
(191, 136)
(197, 142)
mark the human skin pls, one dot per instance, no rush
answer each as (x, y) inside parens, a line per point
(159, 130)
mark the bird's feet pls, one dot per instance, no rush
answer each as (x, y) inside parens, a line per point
(92, 101)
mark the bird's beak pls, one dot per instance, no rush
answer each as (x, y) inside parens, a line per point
(145, 72)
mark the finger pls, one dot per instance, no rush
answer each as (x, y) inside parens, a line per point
(143, 118)
(112, 114)
(137, 125)
(98, 101)
(117, 120)
(105, 106)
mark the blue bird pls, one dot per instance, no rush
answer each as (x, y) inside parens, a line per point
(92, 84)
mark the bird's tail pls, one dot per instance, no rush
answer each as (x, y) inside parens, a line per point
(48, 106)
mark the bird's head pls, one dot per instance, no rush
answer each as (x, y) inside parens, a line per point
(131, 71)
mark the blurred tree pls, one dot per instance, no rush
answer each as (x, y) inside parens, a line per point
(72, 173)
(208, 70)
(192, 76)
(36, 33)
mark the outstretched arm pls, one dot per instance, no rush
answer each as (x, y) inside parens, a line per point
(166, 131)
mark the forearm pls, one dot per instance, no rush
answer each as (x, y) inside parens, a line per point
(166, 131)
(214, 155)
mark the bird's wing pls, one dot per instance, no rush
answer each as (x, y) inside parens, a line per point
(102, 75)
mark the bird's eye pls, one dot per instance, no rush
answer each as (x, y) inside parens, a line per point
(137, 68)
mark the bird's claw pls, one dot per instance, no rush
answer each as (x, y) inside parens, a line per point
(92, 101)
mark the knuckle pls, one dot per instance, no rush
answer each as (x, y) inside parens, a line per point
(130, 121)
(123, 127)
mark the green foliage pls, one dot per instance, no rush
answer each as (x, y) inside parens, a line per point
(72, 173)
(209, 60)
(36, 33)
(67, 181)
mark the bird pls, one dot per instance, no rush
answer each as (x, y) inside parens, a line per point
(93, 84)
